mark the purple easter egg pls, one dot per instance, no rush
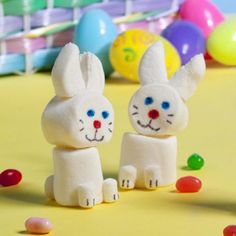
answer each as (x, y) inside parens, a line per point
(187, 38)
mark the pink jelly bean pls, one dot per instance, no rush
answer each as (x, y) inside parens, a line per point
(188, 184)
(10, 177)
(37, 225)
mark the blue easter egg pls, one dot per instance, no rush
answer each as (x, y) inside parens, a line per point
(187, 38)
(95, 33)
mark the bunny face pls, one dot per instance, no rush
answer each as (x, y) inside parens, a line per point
(85, 120)
(157, 110)
(96, 118)
(79, 116)
(158, 107)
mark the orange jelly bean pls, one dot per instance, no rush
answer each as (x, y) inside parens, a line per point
(188, 184)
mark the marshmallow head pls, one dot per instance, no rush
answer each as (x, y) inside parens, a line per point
(158, 107)
(85, 120)
(79, 116)
(156, 110)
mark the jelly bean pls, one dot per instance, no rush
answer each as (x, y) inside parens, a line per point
(10, 177)
(230, 230)
(37, 225)
(195, 162)
(188, 184)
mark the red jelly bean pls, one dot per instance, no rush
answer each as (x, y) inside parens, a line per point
(188, 184)
(10, 177)
(230, 230)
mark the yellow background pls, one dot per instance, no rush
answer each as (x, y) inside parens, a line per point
(164, 212)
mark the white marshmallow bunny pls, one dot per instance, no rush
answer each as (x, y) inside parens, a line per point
(157, 111)
(76, 120)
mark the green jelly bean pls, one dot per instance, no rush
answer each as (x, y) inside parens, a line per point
(195, 162)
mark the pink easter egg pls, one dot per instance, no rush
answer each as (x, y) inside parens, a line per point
(203, 13)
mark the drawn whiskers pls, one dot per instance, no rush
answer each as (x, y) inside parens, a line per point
(168, 121)
(110, 130)
(81, 121)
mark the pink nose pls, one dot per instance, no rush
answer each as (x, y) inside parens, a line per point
(153, 114)
(97, 124)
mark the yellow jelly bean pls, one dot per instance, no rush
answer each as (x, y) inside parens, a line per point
(129, 47)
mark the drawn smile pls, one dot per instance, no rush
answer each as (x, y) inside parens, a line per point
(148, 126)
(94, 139)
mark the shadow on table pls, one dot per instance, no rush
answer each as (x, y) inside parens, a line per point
(206, 203)
(28, 194)
(22, 193)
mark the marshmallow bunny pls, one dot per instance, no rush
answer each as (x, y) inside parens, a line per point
(157, 111)
(76, 120)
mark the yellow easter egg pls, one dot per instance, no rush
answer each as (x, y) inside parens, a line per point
(128, 48)
(221, 44)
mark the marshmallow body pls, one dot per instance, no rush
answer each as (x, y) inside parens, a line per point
(144, 153)
(73, 169)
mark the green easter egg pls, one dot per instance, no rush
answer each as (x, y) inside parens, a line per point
(221, 44)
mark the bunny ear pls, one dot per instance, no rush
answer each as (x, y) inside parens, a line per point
(152, 67)
(66, 74)
(92, 72)
(187, 78)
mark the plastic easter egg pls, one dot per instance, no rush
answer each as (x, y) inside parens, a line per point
(95, 33)
(203, 13)
(187, 38)
(221, 44)
(128, 48)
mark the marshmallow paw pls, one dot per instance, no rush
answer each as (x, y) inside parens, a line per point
(152, 177)
(127, 177)
(48, 187)
(87, 196)
(110, 191)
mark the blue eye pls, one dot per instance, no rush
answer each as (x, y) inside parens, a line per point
(90, 113)
(105, 114)
(165, 105)
(148, 100)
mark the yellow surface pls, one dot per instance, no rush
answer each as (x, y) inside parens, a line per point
(211, 133)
